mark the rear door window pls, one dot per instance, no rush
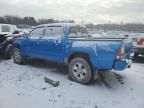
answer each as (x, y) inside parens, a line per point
(53, 32)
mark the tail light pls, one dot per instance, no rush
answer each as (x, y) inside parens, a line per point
(140, 41)
(120, 53)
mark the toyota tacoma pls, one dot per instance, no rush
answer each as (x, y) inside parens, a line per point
(71, 44)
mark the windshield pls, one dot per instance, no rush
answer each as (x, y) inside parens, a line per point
(5, 28)
(77, 31)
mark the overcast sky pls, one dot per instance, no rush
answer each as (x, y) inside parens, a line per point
(96, 11)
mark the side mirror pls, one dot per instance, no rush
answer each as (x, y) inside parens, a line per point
(16, 32)
(25, 35)
(126, 36)
(89, 35)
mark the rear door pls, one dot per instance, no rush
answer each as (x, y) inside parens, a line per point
(33, 42)
(52, 43)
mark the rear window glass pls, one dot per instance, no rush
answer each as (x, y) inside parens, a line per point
(77, 31)
(5, 28)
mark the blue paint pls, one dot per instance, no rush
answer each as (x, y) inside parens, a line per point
(102, 52)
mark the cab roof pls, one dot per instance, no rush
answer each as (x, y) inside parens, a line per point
(60, 24)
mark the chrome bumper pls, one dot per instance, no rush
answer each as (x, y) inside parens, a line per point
(139, 50)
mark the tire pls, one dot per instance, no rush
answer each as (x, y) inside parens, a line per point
(80, 71)
(136, 55)
(8, 51)
(17, 56)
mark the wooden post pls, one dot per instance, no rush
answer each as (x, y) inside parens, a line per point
(51, 82)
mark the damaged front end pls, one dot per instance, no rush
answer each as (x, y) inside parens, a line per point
(2, 40)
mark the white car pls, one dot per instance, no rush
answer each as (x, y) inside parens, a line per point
(7, 34)
(7, 28)
(139, 46)
(138, 43)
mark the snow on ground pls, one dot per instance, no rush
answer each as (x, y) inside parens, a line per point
(23, 86)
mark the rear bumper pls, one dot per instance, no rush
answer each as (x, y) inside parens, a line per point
(123, 63)
(139, 50)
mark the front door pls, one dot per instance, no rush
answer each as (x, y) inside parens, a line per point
(34, 41)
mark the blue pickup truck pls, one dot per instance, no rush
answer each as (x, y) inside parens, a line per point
(71, 44)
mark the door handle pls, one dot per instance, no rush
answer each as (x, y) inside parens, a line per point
(57, 42)
(69, 44)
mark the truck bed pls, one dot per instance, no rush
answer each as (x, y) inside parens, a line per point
(97, 38)
(105, 49)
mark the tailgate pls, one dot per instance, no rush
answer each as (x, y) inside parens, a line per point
(128, 44)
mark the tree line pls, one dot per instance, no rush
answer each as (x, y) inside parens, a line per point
(130, 27)
(31, 21)
(28, 20)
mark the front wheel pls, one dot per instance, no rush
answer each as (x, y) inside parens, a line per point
(80, 71)
(8, 51)
(17, 56)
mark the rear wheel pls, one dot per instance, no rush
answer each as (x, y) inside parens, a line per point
(17, 56)
(80, 71)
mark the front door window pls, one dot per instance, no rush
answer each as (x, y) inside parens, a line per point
(37, 33)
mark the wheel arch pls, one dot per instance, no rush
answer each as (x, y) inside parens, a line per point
(15, 45)
(83, 55)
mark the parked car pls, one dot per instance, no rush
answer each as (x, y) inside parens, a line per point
(7, 33)
(138, 46)
(71, 44)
